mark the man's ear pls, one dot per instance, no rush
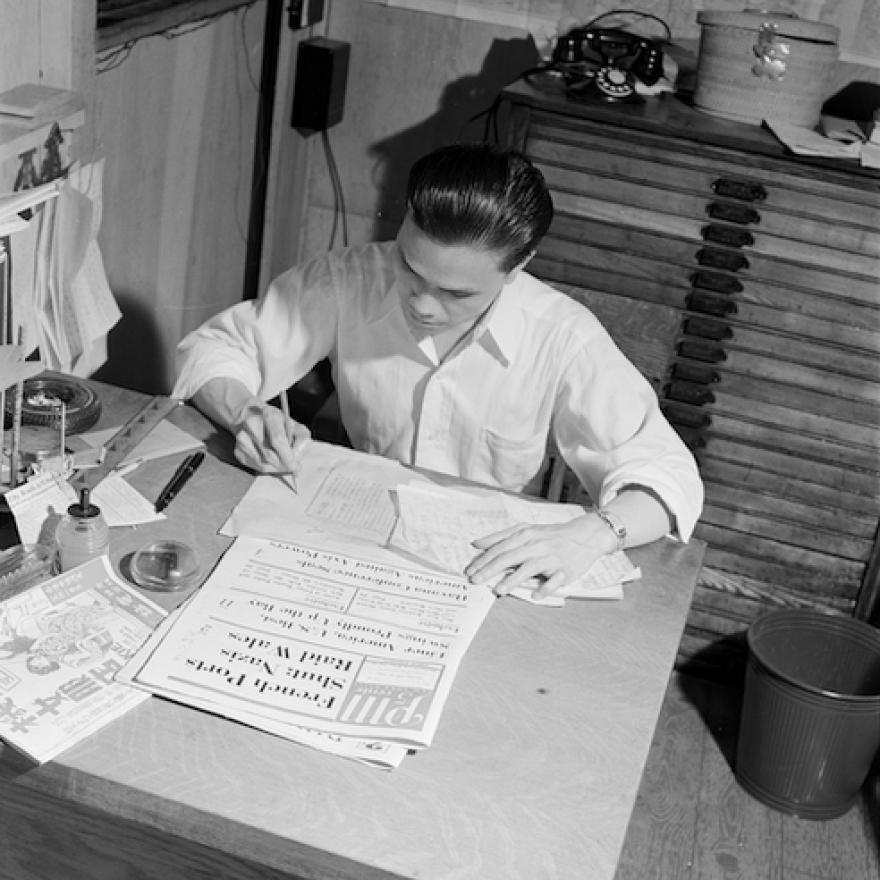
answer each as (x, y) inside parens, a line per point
(518, 268)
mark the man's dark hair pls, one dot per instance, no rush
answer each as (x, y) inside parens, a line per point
(478, 194)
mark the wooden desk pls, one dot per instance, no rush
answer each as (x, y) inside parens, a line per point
(533, 773)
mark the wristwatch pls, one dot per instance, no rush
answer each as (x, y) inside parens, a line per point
(614, 523)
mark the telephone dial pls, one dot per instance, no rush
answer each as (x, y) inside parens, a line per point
(608, 61)
(605, 63)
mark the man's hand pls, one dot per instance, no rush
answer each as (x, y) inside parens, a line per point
(268, 442)
(556, 554)
(265, 439)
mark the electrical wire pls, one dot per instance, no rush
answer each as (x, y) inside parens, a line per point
(633, 13)
(490, 121)
(242, 23)
(327, 13)
(339, 210)
(112, 58)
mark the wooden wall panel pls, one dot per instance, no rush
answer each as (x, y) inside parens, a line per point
(176, 119)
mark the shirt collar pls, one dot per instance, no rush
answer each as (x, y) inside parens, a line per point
(500, 330)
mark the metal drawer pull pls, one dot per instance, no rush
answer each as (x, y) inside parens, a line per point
(706, 328)
(695, 373)
(698, 350)
(680, 416)
(718, 259)
(692, 438)
(728, 235)
(710, 305)
(698, 395)
(716, 282)
(739, 189)
(732, 213)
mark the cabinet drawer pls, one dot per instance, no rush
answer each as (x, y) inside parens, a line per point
(761, 274)
(809, 241)
(576, 239)
(709, 171)
(809, 314)
(766, 477)
(803, 453)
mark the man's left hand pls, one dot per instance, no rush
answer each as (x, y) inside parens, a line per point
(556, 554)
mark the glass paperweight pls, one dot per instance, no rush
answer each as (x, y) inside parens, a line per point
(166, 566)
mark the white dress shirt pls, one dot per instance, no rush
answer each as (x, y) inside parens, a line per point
(538, 367)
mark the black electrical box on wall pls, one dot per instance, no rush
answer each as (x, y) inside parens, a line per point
(319, 89)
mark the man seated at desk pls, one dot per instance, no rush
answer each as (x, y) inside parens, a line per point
(447, 355)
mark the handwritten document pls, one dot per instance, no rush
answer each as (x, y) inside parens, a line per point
(357, 504)
(342, 494)
(285, 636)
(439, 524)
(375, 502)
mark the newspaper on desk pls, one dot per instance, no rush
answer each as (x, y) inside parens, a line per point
(61, 644)
(346, 653)
(367, 589)
(372, 502)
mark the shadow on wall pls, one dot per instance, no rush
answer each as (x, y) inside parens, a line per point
(464, 113)
(136, 358)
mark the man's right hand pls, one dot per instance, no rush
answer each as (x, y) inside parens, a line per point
(269, 442)
(266, 440)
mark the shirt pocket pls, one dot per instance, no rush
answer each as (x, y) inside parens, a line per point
(513, 462)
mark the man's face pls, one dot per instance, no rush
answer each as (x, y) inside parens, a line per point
(444, 287)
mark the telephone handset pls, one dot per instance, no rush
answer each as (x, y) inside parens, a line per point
(608, 60)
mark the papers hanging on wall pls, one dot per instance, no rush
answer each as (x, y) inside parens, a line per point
(60, 297)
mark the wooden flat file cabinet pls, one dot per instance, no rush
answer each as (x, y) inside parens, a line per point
(745, 283)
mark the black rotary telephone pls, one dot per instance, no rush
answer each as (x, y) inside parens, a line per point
(604, 63)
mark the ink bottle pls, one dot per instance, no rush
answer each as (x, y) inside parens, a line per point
(82, 534)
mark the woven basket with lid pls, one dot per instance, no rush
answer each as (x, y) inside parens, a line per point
(764, 65)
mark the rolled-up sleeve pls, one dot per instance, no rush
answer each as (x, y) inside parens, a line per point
(267, 344)
(610, 430)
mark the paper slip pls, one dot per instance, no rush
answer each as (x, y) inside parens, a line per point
(438, 526)
(808, 142)
(122, 504)
(604, 580)
(840, 139)
(14, 368)
(39, 504)
(164, 439)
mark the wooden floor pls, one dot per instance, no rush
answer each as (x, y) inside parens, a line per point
(692, 821)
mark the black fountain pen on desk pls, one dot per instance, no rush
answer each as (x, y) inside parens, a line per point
(178, 481)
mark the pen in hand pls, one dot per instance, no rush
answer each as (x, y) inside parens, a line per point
(289, 479)
(178, 481)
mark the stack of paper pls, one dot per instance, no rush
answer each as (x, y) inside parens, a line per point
(375, 578)
(438, 525)
(347, 654)
(35, 101)
(836, 139)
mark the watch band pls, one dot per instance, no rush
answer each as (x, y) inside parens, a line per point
(614, 523)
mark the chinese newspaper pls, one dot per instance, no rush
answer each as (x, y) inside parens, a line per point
(61, 644)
